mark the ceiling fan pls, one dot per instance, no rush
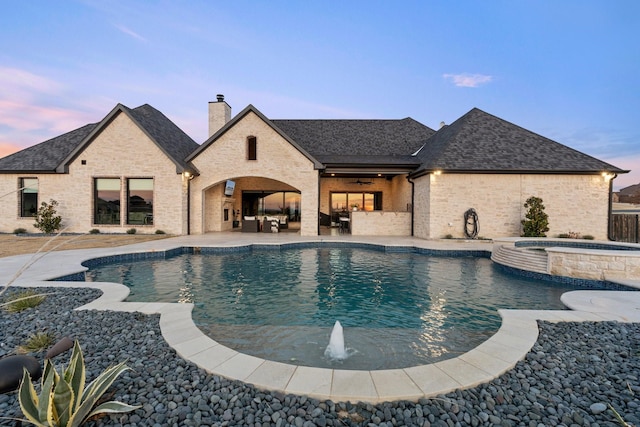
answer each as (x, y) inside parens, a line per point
(361, 182)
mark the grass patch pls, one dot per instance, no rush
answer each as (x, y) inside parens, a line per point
(22, 301)
(38, 342)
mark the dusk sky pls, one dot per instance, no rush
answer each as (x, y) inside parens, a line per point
(568, 70)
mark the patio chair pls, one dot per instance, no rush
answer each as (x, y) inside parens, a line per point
(250, 224)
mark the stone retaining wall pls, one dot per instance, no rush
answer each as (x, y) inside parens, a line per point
(594, 264)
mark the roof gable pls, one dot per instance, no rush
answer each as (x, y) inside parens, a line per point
(234, 121)
(56, 154)
(481, 142)
(173, 142)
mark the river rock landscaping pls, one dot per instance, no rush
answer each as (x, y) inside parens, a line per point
(577, 374)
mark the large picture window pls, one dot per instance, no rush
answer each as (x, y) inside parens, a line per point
(28, 196)
(342, 203)
(140, 201)
(106, 201)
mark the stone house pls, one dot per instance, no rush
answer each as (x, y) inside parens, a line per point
(137, 169)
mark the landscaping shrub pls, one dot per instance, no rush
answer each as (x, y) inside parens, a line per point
(94, 231)
(20, 231)
(64, 401)
(46, 219)
(37, 342)
(131, 231)
(23, 300)
(536, 223)
(160, 232)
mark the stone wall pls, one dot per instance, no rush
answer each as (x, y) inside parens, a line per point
(380, 223)
(595, 265)
(277, 160)
(577, 203)
(122, 151)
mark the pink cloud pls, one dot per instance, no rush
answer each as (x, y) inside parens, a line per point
(30, 109)
(468, 80)
(27, 117)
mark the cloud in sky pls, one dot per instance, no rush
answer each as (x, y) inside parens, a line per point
(468, 80)
(30, 109)
(130, 32)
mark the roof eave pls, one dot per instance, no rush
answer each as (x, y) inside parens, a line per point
(27, 171)
(427, 171)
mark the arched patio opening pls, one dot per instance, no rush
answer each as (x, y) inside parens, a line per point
(228, 202)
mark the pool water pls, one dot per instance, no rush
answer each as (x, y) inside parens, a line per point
(397, 309)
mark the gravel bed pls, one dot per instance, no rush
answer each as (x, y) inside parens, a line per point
(570, 377)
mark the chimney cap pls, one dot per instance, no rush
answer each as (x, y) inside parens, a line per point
(220, 97)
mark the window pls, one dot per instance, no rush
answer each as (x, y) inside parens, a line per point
(266, 203)
(28, 196)
(140, 201)
(341, 203)
(106, 201)
(252, 148)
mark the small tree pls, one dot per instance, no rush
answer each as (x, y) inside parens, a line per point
(46, 219)
(537, 222)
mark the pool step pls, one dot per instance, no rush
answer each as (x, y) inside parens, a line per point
(523, 259)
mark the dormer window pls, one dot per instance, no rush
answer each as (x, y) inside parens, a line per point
(252, 148)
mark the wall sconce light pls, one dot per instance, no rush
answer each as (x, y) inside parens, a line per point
(188, 175)
(438, 172)
(608, 176)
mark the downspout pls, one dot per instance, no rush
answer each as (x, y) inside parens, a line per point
(412, 200)
(188, 206)
(610, 210)
(318, 210)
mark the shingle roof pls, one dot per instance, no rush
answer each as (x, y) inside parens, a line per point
(480, 142)
(169, 137)
(384, 140)
(46, 156)
(631, 190)
(55, 154)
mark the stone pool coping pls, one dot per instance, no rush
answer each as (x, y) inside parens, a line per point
(514, 339)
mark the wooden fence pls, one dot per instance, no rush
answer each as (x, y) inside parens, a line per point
(625, 228)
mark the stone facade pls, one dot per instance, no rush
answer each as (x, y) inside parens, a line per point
(277, 160)
(594, 265)
(577, 203)
(432, 206)
(122, 151)
(380, 223)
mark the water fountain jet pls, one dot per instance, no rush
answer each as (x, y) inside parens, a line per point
(336, 350)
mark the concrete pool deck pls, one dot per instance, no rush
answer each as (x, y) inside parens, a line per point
(516, 336)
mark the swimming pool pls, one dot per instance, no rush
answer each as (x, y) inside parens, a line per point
(397, 309)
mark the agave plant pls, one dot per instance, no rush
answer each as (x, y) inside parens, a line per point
(64, 401)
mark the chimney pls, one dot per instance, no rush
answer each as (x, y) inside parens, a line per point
(219, 114)
(442, 124)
